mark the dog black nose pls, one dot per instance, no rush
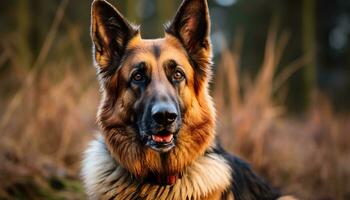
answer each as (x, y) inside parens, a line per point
(164, 114)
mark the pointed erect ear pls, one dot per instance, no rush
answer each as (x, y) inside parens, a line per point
(191, 26)
(110, 33)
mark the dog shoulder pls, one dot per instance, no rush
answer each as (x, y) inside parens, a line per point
(246, 185)
(97, 165)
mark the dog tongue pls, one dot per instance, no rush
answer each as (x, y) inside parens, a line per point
(162, 138)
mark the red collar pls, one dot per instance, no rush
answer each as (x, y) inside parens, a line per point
(164, 180)
(167, 180)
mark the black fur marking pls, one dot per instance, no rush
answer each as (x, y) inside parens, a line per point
(246, 184)
(156, 51)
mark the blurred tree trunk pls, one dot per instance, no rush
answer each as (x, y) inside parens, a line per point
(165, 12)
(131, 13)
(309, 46)
(23, 32)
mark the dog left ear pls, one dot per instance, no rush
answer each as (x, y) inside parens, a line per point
(110, 33)
(191, 25)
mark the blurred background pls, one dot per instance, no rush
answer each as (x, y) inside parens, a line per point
(281, 87)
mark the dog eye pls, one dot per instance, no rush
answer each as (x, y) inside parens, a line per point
(178, 75)
(138, 77)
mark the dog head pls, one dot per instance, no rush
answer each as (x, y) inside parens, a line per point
(155, 112)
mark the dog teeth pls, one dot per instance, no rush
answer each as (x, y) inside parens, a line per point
(162, 138)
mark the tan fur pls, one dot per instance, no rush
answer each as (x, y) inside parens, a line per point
(198, 122)
(116, 165)
(104, 178)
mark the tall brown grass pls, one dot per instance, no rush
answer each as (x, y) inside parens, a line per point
(47, 119)
(307, 155)
(43, 137)
(47, 122)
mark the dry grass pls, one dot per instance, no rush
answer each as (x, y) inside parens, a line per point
(43, 136)
(306, 155)
(47, 122)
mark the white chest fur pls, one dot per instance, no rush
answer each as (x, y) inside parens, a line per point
(104, 178)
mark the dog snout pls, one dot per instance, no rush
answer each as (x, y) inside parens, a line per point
(164, 113)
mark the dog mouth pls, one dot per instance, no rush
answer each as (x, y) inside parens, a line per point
(163, 138)
(162, 141)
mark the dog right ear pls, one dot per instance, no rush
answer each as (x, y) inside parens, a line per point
(110, 33)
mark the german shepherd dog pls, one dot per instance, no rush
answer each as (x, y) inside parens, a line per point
(156, 117)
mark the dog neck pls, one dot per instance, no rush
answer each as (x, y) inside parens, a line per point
(169, 179)
(104, 178)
